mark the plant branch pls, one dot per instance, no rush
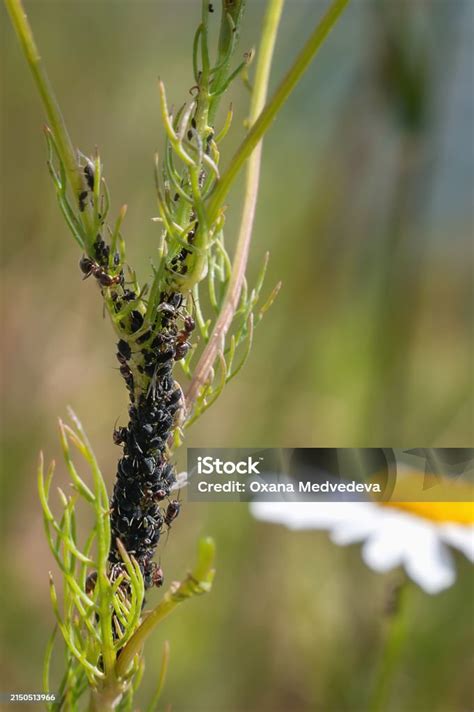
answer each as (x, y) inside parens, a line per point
(396, 637)
(269, 33)
(279, 98)
(53, 112)
(249, 146)
(199, 581)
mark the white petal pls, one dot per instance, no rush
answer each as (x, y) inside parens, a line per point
(385, 549)
(295, 515)
(462, 537)
(310, 515)
(428, 562)
(356, 528)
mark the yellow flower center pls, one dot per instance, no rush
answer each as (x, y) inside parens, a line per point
(412, 496)
(458, 512)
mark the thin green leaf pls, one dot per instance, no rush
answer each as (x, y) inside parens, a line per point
(165, 659)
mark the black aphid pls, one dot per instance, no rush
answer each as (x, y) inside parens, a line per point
(89, 175)
(82, 200)
(136, 321)
(124, 349)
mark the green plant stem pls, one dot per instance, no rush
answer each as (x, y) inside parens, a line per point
(153, 706)
(278, 99)
(105, 700)
(252, 140)
(235, 10)
(53, 112)
(262, 75)
(199, 581)
(108, 695)
(394, 641)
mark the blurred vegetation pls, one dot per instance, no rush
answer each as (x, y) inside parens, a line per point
(365, 207)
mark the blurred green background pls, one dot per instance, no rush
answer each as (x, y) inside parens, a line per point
(365, 206)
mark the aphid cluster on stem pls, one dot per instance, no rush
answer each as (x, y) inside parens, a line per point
(146, 353)
(145, 475)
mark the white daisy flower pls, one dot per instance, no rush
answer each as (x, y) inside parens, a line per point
(415, 535)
